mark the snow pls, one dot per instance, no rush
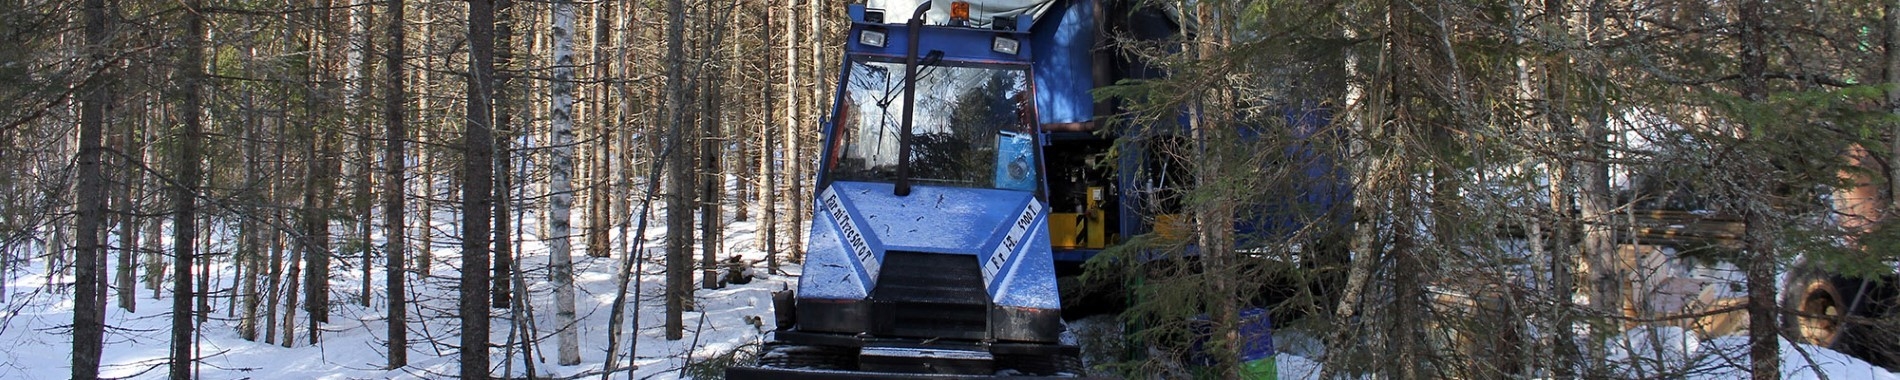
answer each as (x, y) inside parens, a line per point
(1671, 352)
(36, 326)
(1295, 367)
(36, 322)
(1640, 353)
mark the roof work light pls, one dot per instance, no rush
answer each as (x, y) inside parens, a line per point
(871, 37)
(1005, 45)
(960, 13)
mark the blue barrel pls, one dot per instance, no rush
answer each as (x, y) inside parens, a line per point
(1256, 345)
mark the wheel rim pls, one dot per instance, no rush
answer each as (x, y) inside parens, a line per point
(1820, 331)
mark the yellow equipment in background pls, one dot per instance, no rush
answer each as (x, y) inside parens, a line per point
(1087, 229)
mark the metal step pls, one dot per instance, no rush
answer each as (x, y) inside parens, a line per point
(926, 295)
(926, 360)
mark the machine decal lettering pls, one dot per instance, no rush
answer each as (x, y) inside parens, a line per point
(852, 233)
(1000, 257)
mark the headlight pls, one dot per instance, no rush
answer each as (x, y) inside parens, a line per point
(1004, 45)
(873, 38)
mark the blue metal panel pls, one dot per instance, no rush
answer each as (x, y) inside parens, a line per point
(1064, 70)
(830, 272)
(1256, 335)
(956, 43)
(1324, 189)
(1004, 254)
(1030, 280)
(933, 219)
(865, 247)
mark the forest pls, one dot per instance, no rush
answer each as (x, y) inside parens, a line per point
(1551, 189)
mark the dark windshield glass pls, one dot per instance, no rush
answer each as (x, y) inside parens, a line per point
(970, 128)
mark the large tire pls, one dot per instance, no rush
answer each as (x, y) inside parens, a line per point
(1817, 303)
(1823, 310)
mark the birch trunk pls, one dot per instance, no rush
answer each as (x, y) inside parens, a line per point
(560, 188)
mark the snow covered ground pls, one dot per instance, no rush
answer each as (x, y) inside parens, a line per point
(352, 346)
(1672, 353)
(37, 320)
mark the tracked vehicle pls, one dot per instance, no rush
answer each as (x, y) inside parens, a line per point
(942, 263)
(965, 165)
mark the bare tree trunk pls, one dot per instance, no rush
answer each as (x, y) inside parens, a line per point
(88, 281)
(768, 193)
(1604, 274)
(631, 265)
(425, 249)
(362, 61)
(622, 119)
(560, 188)
(600, 204)
(250, 245)
(204, 270)
(312, 239)
(276, 276)
(1563, 258)
(679, 226)
(363, 203)
(319, 200)
(314, 242)
(504, 105)
(476, 203)
(793, 109)
(709, 217)
(154, 229)
(126, 274)
(394, 162)
(1764, 339)
(297, 251)
(184, 192)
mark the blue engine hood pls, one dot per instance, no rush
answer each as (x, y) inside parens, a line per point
(855, 223)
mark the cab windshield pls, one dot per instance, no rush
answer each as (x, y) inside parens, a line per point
(971, 127)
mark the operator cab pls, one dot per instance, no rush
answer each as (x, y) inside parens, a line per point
(972, 126)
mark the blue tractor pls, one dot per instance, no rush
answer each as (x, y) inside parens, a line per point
(964, 166)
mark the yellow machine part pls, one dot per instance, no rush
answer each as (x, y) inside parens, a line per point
(1062, 230)
(1068, 230)
(1096, 230)
(1171, 227)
